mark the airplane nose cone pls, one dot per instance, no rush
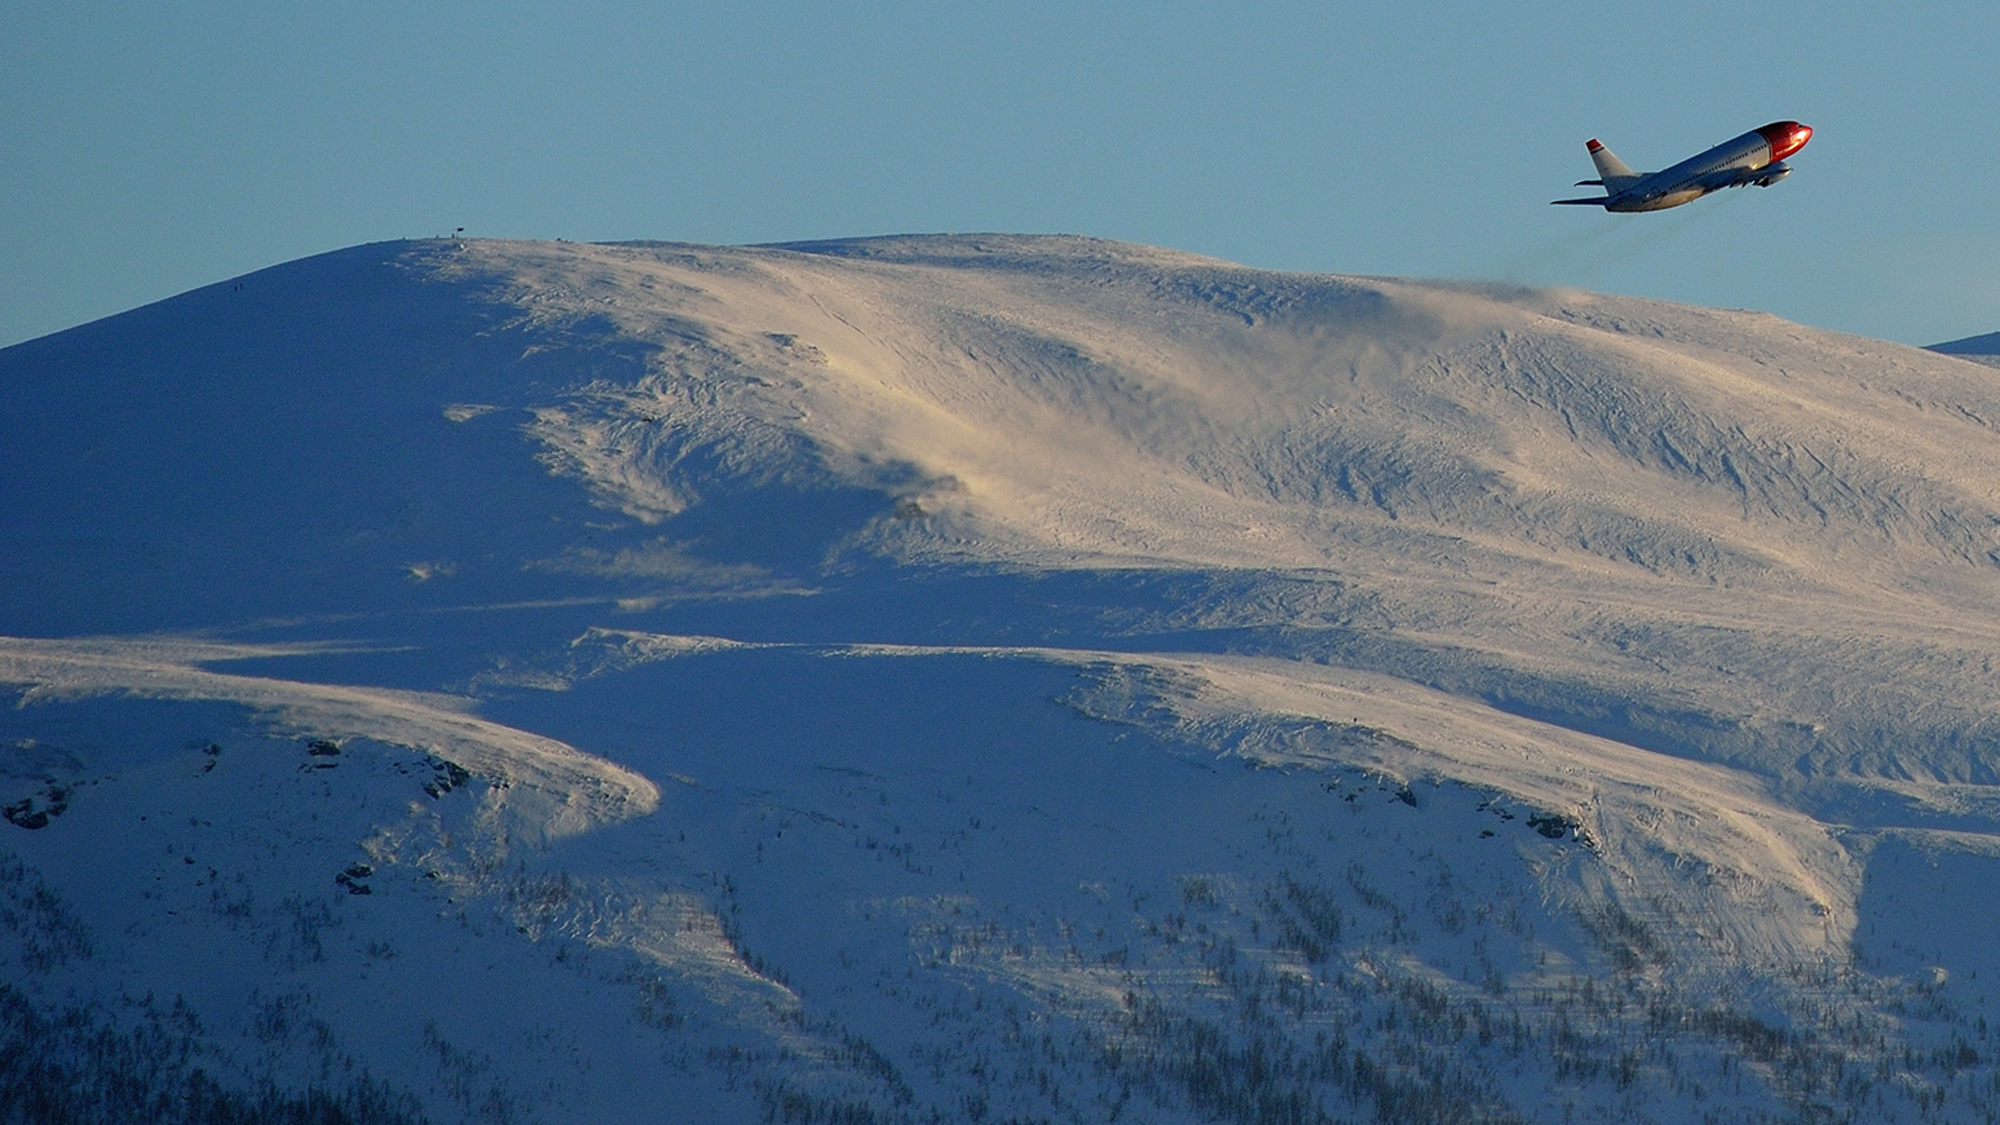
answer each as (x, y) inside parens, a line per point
(1786, 137)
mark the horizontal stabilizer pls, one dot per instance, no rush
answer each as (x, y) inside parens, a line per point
(1599, 201)
(1588, 183)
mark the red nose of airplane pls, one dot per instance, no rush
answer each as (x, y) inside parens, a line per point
(1786, 137)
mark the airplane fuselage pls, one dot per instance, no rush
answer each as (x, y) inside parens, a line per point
(1756, 157)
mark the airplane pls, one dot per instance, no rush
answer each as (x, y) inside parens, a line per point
(1756, 157)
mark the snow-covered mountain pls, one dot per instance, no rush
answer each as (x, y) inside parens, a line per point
(1980, 349)
(990, 678)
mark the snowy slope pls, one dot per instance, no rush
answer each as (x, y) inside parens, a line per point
(996, 677)
(1980, 349)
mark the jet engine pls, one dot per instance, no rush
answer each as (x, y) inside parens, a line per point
(1772, 173)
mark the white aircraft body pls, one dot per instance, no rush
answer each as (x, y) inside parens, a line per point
(1756, 157)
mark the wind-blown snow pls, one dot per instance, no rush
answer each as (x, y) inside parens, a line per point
(549, 786)
(989, 676)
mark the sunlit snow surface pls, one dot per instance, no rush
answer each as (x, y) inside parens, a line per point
(999, 678)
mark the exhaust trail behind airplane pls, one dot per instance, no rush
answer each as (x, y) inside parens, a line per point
(1756, 157)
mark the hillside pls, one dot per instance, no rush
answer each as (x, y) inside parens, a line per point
(996, 678)
(1980, 349)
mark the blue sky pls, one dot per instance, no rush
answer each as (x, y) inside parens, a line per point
(146, 149)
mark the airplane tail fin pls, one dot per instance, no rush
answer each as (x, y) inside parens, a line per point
(1613, 171)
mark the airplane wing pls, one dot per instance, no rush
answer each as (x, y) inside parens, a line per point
(1737, 177)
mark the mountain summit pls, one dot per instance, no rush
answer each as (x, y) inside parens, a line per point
(1981, 349)
(986, 676)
